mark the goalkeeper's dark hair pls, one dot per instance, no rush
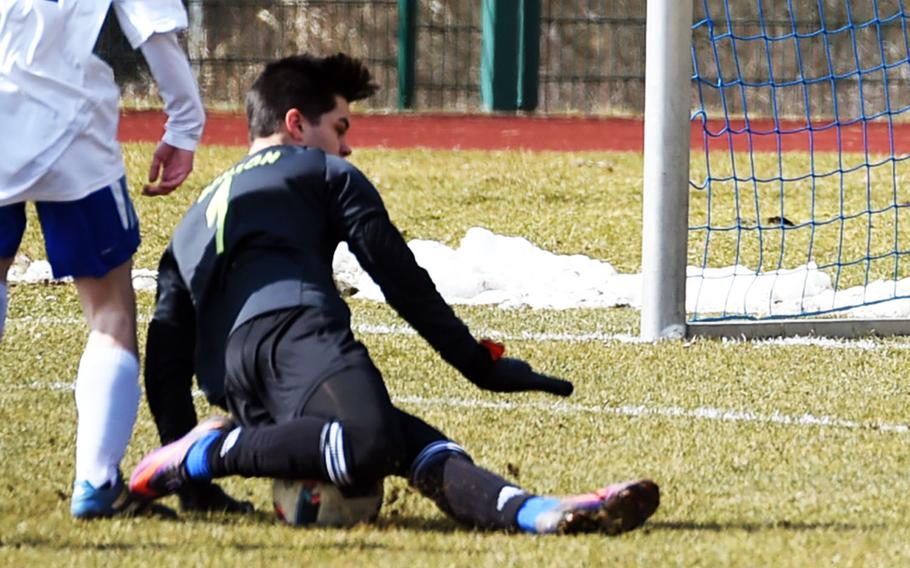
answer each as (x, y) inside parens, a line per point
(307, 83)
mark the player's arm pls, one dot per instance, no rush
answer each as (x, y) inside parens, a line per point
(151, 27)
(169, 354)
(383, 253)
(172, 160)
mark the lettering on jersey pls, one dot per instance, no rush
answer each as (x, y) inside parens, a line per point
(216, 212)
(220, 191)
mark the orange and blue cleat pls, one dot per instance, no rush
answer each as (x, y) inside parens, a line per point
(615, 509)
(163, 471)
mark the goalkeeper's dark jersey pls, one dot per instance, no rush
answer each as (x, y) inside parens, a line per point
(260, 238)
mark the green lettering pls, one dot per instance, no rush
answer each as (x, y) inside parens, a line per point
(216, 212)
(253, 162)
(217, 209)
(271, 157)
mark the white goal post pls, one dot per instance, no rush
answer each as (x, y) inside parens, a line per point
(668, 74)
(807, 210)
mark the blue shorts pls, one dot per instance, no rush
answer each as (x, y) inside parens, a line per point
(84, 238)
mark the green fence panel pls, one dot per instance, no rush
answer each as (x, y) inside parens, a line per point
(510, 55)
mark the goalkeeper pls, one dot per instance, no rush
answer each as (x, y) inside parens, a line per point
(246, 299)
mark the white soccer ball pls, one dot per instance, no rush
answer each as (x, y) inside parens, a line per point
(307, 502)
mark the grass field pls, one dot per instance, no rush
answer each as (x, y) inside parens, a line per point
(768, 454)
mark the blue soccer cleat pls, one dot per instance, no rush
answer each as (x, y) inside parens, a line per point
(90, 502)
(615, 509)
(162, 471)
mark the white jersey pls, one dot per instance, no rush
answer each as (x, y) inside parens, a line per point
(53, 89)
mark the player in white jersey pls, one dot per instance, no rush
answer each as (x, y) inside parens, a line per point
(59, 109)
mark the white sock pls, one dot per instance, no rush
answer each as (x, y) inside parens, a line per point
(3, 303)
(107, 399)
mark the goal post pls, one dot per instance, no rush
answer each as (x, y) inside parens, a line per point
(776, 169)
(668, 74)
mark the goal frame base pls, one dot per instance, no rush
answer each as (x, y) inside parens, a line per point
(841, 328)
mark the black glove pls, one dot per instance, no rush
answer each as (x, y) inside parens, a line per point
(208, 497)
(514, 375)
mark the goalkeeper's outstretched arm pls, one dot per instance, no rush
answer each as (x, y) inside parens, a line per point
(408, 288)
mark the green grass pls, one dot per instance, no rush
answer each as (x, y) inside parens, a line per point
(735, 493)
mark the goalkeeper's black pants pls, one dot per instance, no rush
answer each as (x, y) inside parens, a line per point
(312, 405)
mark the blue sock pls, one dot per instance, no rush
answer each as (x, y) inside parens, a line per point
(197, 459)
(529, 510)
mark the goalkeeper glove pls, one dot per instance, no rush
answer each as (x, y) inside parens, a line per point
(514, 375)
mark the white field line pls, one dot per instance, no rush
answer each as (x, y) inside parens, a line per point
(601, 337)
(702, 413)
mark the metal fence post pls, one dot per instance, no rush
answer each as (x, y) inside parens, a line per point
(407, 52)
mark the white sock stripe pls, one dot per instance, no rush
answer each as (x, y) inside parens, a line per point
(326, 452)
(341, 462)
(229, 441)
(332, 443)
(333, 449)
(322, 434)
(506, 494)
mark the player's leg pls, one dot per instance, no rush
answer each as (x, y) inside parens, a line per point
(444, 472)
(346, 434)
(12, 227)
(309, 374)
(93, 240)
(441, 470)
(311, 406)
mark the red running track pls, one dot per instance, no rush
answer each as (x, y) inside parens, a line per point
(488, 132)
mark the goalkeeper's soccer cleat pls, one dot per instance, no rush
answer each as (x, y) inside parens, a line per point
(612, 510)
(89, 502)
(163, 471)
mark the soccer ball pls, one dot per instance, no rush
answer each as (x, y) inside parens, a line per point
(308, 502)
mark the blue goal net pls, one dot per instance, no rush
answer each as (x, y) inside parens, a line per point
(800, 179)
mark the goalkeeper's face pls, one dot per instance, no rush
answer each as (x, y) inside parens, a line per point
(330, 133)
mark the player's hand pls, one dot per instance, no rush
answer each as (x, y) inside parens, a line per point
(515, 375)
(209, 497)
(172, 165)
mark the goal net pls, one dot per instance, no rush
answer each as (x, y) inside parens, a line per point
(798, 194)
